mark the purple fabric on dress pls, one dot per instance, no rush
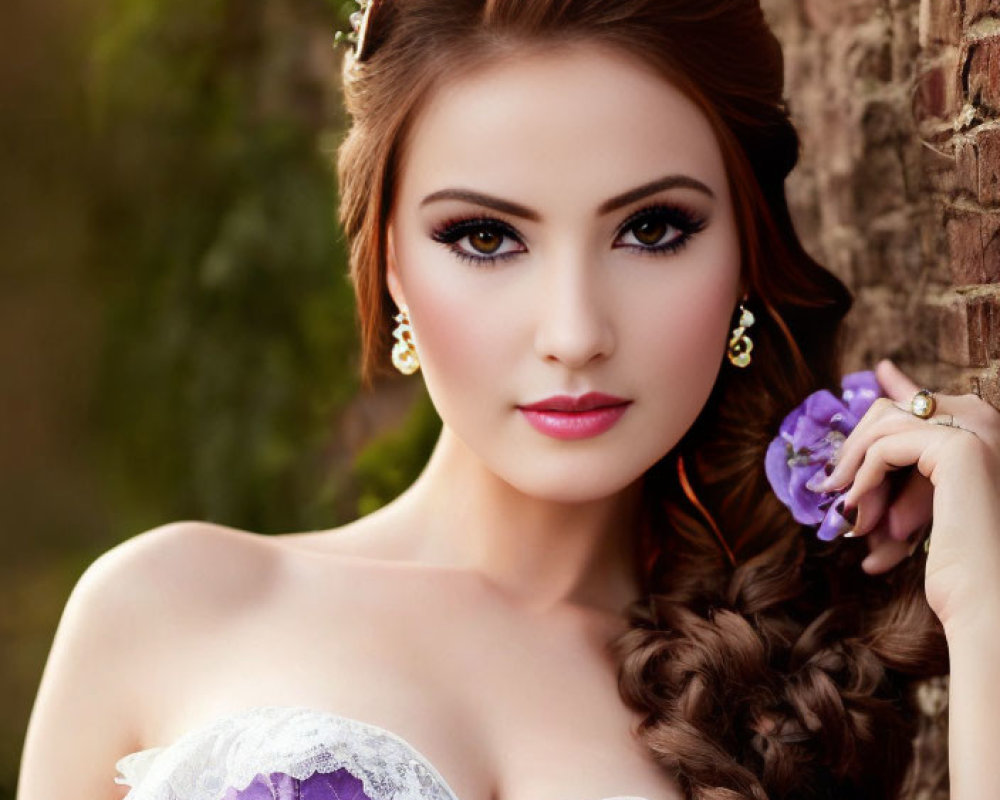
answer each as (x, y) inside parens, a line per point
(339, 785)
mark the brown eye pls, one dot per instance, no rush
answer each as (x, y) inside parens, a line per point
(659, 229)
(650, 231)
(482, 241)
(485, 241)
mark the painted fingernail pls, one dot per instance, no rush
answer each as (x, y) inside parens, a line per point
(834, 524)
(850, 513)
(828, 468)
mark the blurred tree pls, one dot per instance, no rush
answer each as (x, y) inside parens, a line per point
(168, 203)
(392, 461)
(231, 328)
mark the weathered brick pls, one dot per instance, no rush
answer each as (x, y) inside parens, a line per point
(988, 167)
(940, 171)
(993, 336)
(869, 58)
(891, 256)
(982, 81)
(879, 326)
(981, 314)
(975, 9)
(967, 168)
(929, 227)
(989, 389)
(880, 123)
(963, 330)
(898, 199)
(965, 246)
(921, 330)
(825, 16)
(990, 238)
(937, 95)
(940, 22)
(879, 187)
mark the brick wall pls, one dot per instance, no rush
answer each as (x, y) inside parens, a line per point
(898, 192)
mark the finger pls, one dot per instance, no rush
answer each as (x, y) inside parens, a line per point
(885, 418)
(882, 419)
(871, 506)
(913, 446)
(885, 553)
(974, 414)
(896, 383)
(912, 508)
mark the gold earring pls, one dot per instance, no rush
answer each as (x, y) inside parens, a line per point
(740, 345)
(404, 351)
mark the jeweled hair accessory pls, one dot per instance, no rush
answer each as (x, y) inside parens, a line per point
(360, 30)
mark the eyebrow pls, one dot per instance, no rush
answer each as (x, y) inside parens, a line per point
(613, 204)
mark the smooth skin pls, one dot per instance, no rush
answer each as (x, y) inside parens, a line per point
(954, 459)
(469, 615)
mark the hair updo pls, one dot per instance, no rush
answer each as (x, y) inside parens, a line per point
(789, 674)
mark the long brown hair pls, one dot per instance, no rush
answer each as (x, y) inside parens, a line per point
(785, 671)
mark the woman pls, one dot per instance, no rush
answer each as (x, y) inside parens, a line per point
(570, 216)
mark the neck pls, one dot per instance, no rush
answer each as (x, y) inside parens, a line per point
(541, 553)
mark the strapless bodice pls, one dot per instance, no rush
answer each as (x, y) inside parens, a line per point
(285, 753)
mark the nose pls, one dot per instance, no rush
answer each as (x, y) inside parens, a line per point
(574, 314)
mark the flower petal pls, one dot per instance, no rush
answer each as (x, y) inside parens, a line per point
(777, 470)
(787, 429)
(804, 504)
(860, 389)
(809, 437)
(822, 405)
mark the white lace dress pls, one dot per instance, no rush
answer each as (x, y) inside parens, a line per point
(285, 753)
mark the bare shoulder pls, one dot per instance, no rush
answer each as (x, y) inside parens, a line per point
(185, 563)
(150, 589)
(181, 570)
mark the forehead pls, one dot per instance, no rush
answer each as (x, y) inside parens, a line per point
(582, 121)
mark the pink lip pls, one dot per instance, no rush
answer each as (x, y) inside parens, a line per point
(564, 417)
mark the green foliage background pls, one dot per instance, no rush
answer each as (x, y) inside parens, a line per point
(221, 358)
(233, 341)
(232, 330)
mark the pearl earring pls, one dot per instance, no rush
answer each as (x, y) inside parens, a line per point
(740, 345)
(404, 351)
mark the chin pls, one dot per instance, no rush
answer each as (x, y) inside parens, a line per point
(574, 484)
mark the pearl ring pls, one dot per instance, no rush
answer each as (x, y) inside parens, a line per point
(923, 404)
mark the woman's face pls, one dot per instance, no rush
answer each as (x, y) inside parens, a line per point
(562, 226)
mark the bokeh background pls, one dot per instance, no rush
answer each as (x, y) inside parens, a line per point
(178, 336)
(178, 330)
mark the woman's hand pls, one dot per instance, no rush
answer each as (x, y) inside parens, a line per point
(904, 473)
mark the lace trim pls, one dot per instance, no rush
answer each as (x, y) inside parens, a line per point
(299, 742)
(230, 752)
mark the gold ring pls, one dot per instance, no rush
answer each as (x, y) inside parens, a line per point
(923, 404)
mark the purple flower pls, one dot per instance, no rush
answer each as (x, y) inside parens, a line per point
(809, 438)
(339, 785)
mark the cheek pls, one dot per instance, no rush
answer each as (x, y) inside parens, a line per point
(697, 325)
(463, 344)
(685, 319)
(677, 348)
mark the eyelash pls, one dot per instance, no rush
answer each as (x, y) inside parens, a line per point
(687, 222)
